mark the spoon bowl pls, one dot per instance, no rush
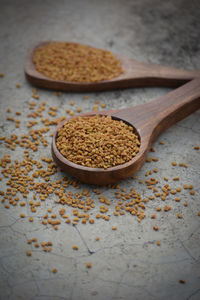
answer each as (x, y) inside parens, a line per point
(149, 121)
(136, 74)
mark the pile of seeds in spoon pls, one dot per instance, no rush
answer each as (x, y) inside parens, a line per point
(97, 141)
(76, 63)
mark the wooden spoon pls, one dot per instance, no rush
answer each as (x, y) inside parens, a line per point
(136, 74)
(149, 121)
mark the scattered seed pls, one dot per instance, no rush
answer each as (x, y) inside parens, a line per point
(75, 247)
(88, 265)
(114, 227)
(182, 281)
(179, 215)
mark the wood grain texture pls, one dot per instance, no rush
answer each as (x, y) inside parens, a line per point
(136, 74)
(149, 120)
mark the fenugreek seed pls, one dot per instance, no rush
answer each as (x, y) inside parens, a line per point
(88, 265)
(182, 281)
(153, 216)
(155, 228)
(75, 247)
(196, 147)
(31, 219)
(155, 159)
(179, 215)
(158, 243)
(174, 163)
(177, 199)
(22, 215)
(37, 245)
(176, 178)
(114, 227)
(198, 213)
(173, 192)
(28, 253)
(97, 238)
(54, 270)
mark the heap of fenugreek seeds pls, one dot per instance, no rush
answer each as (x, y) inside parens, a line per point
(97, 141)
(76, 63)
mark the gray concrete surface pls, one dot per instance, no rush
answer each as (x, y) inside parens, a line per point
(126, 263)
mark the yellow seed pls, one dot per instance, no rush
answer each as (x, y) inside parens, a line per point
(114, 227)
(182, 281)
(28, 253)
(75, 247)
(88, 265)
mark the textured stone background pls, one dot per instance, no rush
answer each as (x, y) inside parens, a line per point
(127, 263)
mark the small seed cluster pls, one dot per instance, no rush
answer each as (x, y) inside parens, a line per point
(97, 141)
(76, 63)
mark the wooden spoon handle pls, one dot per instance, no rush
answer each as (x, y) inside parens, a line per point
(145, 74)
(155, 117)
